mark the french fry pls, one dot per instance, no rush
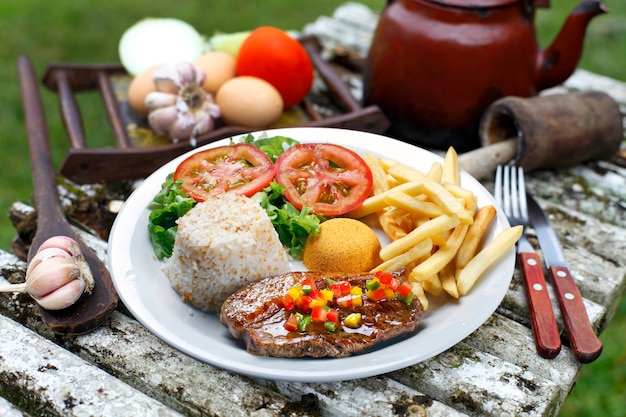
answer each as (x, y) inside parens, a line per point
(440, 240)
(441, 258)
(388, 223)
(451, 172)
(404, 259)
(391, 224)
(405, 173)
(379, 176)
(447, 201)
(387, 163)
(467, 196)
(467, 277)
(448, 280)
(432, 285)
(475, 235)
(425, 231)
(435, 172)
(414, 205)
(376, 203)
(418, 290)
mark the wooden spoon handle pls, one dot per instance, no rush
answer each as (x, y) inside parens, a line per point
(49, 210)
(91, 309)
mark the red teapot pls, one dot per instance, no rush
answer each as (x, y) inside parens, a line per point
(434, 66)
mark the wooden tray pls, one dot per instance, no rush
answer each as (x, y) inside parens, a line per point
(132, 156)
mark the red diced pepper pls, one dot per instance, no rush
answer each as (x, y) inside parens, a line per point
(303, 303)
(384, 277)
(405, 289)
(345, 301)
(292, 323)
(378, 294)
(406, 300)
(288, 302)
(340, 288)
(319, 314)
(332, 315)
(316, 295)
(308, 285)
(394, 284)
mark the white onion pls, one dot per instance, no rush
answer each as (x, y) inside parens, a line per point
(154, 41)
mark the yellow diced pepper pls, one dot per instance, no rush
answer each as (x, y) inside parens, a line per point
(356, 291)
(353, 320)
(317, 302)
(295, 292)
(327, 294)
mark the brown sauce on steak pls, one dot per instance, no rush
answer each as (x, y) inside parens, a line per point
(256, 315)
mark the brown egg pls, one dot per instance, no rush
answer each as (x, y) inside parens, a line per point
(139, 87)
(218, 67)
(250, 102)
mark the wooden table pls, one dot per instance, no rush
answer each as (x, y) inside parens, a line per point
(121, 369)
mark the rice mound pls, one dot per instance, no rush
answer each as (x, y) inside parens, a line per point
(221, 245)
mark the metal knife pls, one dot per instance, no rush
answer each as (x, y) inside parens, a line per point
(585, 343)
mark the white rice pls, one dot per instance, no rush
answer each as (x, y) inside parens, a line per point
(222, 245)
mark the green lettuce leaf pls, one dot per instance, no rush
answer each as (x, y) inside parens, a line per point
(167, 206)
(292, 225)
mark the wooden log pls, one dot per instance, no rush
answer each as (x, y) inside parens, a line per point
(47, 379)
(459, 379)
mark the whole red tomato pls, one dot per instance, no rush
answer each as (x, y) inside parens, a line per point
(271, 54)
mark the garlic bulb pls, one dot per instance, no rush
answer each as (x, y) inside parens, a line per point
(57, 276)
(180, 108)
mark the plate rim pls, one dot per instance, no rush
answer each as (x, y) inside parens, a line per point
(265, 367)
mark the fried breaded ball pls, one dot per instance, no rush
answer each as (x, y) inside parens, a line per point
(342, 245)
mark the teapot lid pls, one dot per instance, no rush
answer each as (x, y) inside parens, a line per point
(470, 4)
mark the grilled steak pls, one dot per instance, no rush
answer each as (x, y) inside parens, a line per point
(255, 313)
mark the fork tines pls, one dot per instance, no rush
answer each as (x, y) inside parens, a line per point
(513, 198)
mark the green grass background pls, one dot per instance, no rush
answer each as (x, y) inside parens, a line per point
(89, 31)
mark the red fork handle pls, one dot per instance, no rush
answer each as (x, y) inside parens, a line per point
(585, 343)
(545, 330)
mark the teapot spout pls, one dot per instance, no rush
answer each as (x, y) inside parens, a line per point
(557, 62)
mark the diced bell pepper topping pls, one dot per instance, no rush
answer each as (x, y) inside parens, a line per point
(314, 305)
(353, 320)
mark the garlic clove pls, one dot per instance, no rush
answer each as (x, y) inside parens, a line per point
(62, 297)
(66, 243)
(203, 125)
(157, 99)
(44, 254)
(166, 79)
(50, 275)
(162, 119)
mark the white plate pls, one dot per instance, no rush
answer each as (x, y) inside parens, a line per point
(146, 291)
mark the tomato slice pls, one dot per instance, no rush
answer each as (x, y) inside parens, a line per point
(242, 168)
(330, 179)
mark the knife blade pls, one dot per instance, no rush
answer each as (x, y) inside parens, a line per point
(585, 343)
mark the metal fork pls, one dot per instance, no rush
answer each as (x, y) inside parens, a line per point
(510, 193)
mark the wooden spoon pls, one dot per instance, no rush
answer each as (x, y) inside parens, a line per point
(91, 310)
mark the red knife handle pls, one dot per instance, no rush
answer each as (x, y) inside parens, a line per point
(545, 330)
(585, 343)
